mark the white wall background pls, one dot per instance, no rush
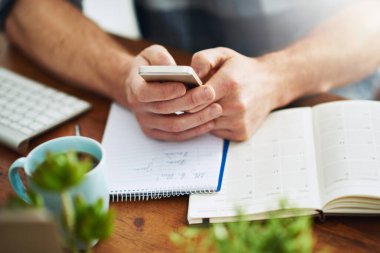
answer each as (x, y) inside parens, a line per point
(114, 16)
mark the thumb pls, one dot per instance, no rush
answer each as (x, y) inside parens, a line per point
(205, 61)
(157, 55)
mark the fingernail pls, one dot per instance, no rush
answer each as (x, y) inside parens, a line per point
(216, 111)
(198, 72)
(181, 90)
(209, 93)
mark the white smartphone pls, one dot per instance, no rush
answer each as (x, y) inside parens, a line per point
(183, 74)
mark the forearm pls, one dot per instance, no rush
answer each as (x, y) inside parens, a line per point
(342, 50)
(59, 37)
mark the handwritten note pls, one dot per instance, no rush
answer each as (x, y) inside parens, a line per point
(137, 164)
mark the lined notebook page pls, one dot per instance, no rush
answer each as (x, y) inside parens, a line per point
(138, 164)
(277, 162)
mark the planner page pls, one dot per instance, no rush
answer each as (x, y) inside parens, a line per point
(138, 164)
(347, 137)
(278, 162)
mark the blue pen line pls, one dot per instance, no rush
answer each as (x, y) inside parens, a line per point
(226, 144)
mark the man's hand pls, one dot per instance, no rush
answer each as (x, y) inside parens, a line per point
(155, 104)
(143, 96)
(244, 87)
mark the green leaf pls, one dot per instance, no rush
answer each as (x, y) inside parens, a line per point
(60, 171)
(35, 199)
(176, 238)
(16, 202)
(92, 222)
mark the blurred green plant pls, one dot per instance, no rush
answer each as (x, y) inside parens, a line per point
(81, 221)
(275, 235)
(61, 171)
(15, 202)
(91, 222)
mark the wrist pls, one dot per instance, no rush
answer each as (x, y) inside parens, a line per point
(287, 81)
(119, 69)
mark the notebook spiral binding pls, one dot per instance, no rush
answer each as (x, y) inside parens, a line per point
(147, 195)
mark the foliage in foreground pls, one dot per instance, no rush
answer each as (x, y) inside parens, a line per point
(82, 221)
(275, 235)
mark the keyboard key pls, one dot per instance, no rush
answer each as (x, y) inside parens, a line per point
(5, 113)
(5, 121)
(25, 122)
(36, 126)
(16, 126)
(15, 117)
(26, 130)
(44, 119)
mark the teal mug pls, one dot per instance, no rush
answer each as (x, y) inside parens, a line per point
(91, 188)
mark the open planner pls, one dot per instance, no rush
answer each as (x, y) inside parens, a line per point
(140, 168)
(322, 160)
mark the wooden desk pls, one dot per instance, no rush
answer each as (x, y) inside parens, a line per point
(144, 226)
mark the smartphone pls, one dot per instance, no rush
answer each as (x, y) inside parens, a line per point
(183, 74)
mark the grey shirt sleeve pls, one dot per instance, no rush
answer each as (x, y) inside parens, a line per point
(6, 6)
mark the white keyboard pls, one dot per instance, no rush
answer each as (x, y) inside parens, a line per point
(28, 108)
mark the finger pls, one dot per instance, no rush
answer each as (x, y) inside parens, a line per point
(153, 92)
(221, 84)
(227, 128)
(200, 96)
(226, 123)
(234, 128)
(181, 136)
(204, 61)
(224, 134)
(230, 135)
(197, 109)
(180, 123)
(157, 55)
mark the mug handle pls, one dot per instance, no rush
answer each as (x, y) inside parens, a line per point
(15, 179)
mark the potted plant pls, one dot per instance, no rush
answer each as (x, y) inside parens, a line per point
(57, 179)
(82, 222)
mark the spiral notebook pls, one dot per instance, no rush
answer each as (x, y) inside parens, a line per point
(141, 168)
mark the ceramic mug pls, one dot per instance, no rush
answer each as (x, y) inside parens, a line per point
(91, 188)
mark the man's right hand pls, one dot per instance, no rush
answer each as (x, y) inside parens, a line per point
(155, 104)
(143, 96)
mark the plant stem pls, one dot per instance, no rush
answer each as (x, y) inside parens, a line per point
(88, 248)
(68, 220)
